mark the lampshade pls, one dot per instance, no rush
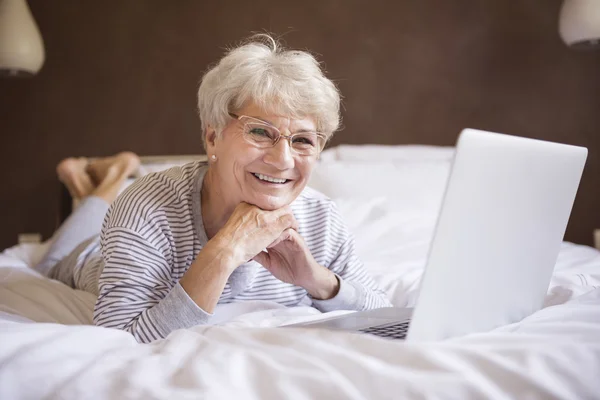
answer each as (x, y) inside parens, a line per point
(21, 46)
(579, 23)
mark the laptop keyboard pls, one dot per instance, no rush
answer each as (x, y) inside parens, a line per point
(395, 331)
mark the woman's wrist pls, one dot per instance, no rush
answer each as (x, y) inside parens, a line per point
(324, 287)
(222, 250)
(205, 280)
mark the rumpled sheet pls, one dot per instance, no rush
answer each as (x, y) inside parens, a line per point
(553, 354)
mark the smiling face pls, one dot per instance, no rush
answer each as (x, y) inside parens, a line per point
(269, 178)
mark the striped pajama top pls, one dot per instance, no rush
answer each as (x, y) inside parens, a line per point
(153, 232)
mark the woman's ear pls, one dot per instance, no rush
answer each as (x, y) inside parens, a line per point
(211, 140)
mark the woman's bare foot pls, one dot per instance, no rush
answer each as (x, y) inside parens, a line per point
(111, 172)
(100, 168)
(72, 173)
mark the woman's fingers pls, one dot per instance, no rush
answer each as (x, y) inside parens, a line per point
(276, 222)
(285, 235)
(285, 218)
(255, 229)
(281, 218)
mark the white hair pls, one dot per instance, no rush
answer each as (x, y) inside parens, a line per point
(284, 82)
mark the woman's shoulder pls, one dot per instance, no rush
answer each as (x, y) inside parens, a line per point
(175, 174)
(155, 193)
(319, 218)
(176, 180)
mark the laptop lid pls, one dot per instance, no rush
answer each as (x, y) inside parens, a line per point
(504, 215)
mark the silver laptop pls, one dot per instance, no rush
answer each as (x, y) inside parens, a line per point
(504, 215)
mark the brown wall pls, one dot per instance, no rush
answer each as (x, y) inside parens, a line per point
(123, 75)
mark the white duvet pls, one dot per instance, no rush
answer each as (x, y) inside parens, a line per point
(49, 350)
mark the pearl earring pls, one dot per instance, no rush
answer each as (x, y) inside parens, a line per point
(213, 158)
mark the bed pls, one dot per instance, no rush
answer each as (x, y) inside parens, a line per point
(390, 196)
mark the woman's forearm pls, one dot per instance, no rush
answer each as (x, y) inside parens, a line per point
(205, 280)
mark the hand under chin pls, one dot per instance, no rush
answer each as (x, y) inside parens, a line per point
(271, 203)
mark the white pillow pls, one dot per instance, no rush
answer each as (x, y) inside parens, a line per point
(407, 185)
(396, 153)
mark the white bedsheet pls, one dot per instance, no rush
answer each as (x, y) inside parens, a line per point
(554, 353)
(49, 350)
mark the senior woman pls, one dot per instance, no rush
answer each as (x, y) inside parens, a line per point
(242, 226)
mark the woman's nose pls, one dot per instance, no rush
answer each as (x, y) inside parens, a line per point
(280, 155)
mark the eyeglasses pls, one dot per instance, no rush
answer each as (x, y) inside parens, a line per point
(264, 135)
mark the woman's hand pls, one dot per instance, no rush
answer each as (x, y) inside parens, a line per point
(290, 261)
(250, 229)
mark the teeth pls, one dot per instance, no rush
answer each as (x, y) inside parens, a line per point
(269, 179)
